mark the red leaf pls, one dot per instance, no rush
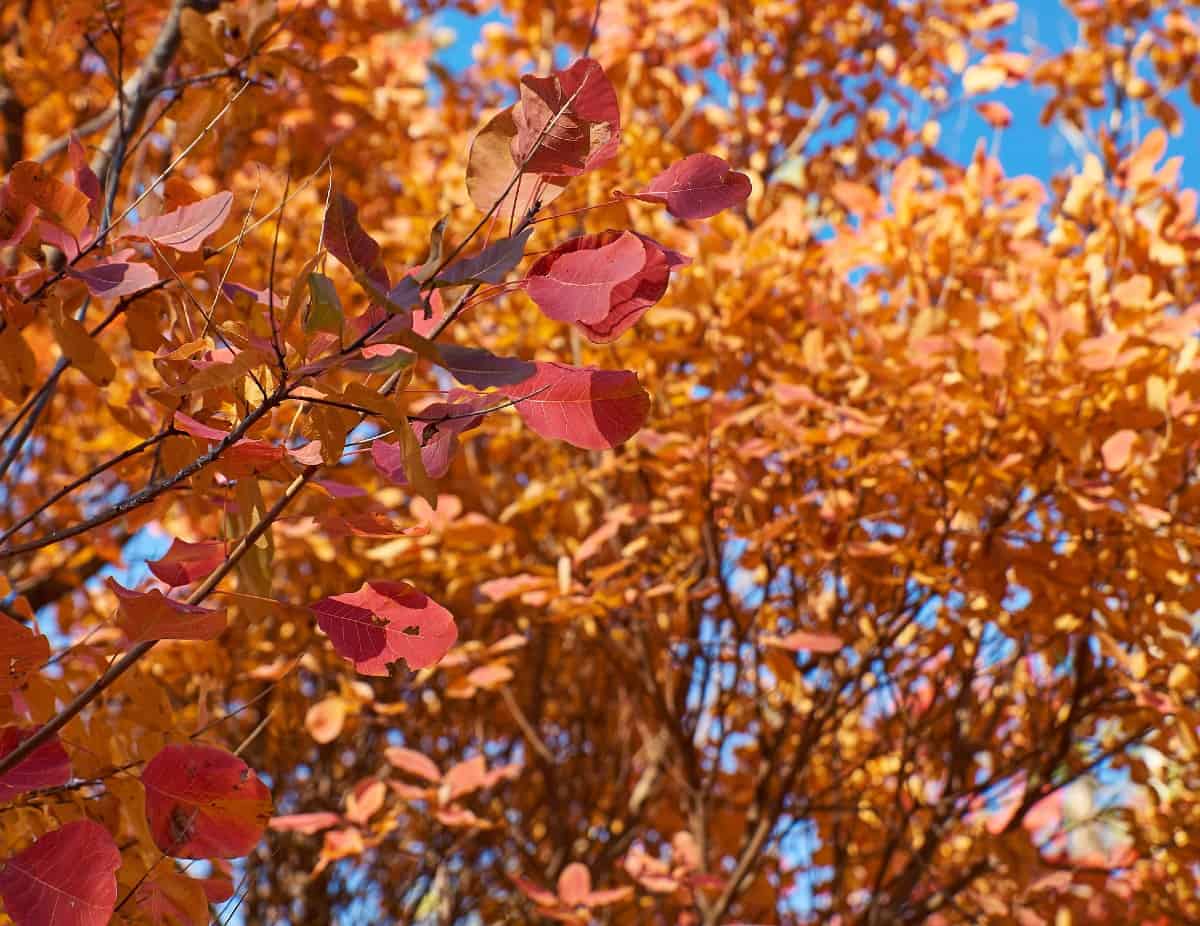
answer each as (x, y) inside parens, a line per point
(371, 627)
(66, 878)
(305, 823)
(482, 369)
(628, 299)
(186, 562)
(587, 133)
(153, 616)
(584, 406)
(204, 802)
(809, 642)
(188, 227)
(698, 187)
(576, 284)
(413, 762)
(110, 279)
(346, 240)
(45, 767)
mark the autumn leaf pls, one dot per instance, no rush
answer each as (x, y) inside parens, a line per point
(188, 227)
(46, 767)
(606, 311)
(184, 562)
(66, 878)
(481, 369)
(21, 652)
(346, 240)
(698, 187)
(384, 622)
(153, 616)
(799, 640)
(584, 406)
(324, 720)
(491, 265)
(111, 279)
(491, 167)
(577, 284)
(305, 823)
(204, 802)
(568, 122)
(413, 762)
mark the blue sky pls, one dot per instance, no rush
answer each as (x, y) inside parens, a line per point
(1026, 147)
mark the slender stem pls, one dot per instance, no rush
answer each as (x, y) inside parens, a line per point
(88, 477)
(152, 492)
(132, 656)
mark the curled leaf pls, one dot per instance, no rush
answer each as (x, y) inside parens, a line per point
(568, 122)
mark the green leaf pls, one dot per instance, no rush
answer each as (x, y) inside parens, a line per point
(324, 307)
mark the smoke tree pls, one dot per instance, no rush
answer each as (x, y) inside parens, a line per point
(638, 477)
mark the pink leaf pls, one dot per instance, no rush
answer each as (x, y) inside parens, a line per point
(698, 187)
(539, 895)
(490, 676)
(186, 562)
(384, 622)
(110, 279)
(66, 878)
(583, 137)
(437, 432)
(808, 642)
(204, 802)
(1118, 450)
(46, 767)
(413, 762)
(576, 284)
(190, 425)
(304, 823)
(474, 366)
(574, 884)
(584, 406)
(188, 227)
(153, 616)
(465, 778)
(365, 800)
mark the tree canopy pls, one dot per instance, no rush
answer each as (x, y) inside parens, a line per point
(633, 476)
